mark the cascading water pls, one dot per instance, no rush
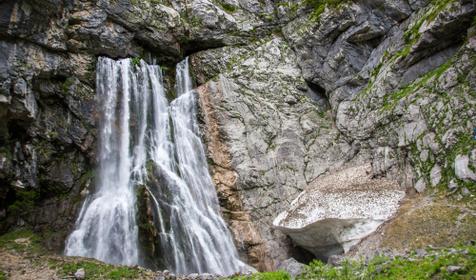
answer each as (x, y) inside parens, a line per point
(106, 228)
(145, 141)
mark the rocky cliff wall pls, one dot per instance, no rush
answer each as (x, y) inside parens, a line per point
(385, 83)
(289, 91)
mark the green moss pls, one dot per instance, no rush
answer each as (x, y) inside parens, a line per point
(292, 7)
(136, 60)
(97, 270)
(195, 21)
(412, 34)
(319, 6)
(392, 99)
(433, 266)
(227, 7)
(24, 202)
(67, 84)
(465, 144)
(22, 240)
(3, 275)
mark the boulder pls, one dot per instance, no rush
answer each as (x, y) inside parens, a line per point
(462, 169)
(338, 210)
(80, 274)
(292, 266)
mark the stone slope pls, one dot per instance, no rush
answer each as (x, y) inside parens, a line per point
(290, 91)
(381, 69)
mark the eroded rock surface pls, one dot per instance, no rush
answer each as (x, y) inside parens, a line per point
(273, 144)
(287, 95)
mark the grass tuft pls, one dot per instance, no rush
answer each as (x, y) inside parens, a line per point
(96, 270)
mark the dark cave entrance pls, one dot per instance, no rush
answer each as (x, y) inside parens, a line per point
(318, 94)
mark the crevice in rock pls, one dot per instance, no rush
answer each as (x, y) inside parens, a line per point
(301, 255)
(17, 130)
(194, 46)
(318, 94)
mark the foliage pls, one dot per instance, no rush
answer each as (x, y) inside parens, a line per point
(136, 60)
(24, 202)
(465, 144)
(67, 84)
(97, 270)
(22, 240)
(277, 275)
(456, 263)
(392, 99)
(228, 7)
(320, 5)
(433, 266)
(3, 275)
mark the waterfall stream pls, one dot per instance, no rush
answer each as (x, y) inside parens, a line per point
(146, 141)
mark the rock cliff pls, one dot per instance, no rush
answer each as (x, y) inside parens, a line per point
(289, 92)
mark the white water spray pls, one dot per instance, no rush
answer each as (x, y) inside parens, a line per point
(144, 139)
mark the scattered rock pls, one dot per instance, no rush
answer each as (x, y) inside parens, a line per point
(452, 185)
(335, 260)
(420, 185)
(421, 253)
(80, 274)
(23, 241)
(454, 268)
(291, 100)
(435, 175)
(465, 192)
(293, 267)
(462, 170)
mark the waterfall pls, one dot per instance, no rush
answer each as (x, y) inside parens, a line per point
(145, 141)
(106, 228)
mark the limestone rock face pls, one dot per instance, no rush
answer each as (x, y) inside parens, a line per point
(338, 210)
(391, 89)
(48, 52)
(275, 147)
(286, 97)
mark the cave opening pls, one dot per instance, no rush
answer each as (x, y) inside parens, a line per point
(302, 255)
(318, 94)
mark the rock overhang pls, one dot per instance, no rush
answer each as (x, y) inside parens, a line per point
(338, 210)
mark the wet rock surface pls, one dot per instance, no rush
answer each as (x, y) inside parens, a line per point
(286, 97)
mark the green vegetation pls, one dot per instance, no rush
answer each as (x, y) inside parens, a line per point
(136, 60)
(22, 240)
(391, 100)
(228, 7)
(430, 267)
(97, 270)
(277, 275)
(24, 202)
(67, 84)
(3, 275)
(465, 144)
(411, 36)
(320, 5)
(457, 263)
